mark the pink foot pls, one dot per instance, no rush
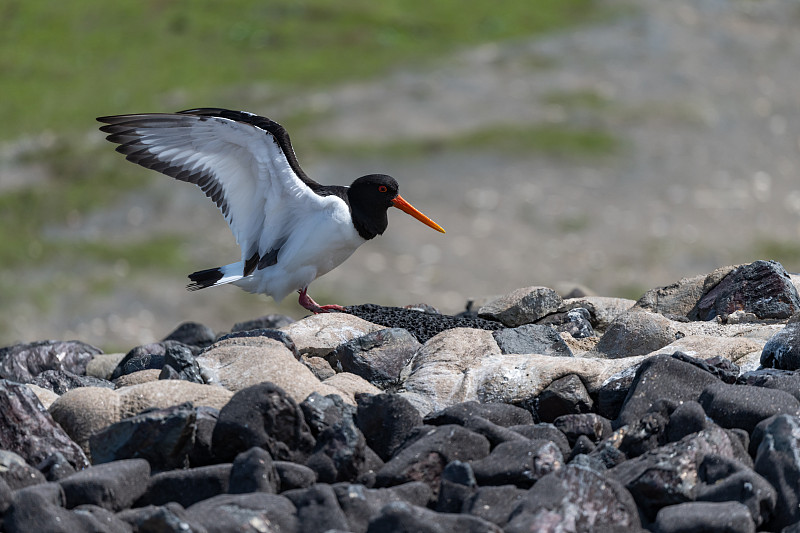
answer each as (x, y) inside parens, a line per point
(308, 302)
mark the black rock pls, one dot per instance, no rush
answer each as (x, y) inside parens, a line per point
(6, 497)
(501, 414)
(170, 518)
(113, 486)
(61, 381)
(578, 323)
(519, 463)
(777, 441)
(246, 512)
(294, 476)
(772, 378)
(457, 484)
(532, 338)
(56, 467)
(743, 406)
(22, 362)
(205, 420)
(317, 509)
(164, 437)
(193, 334)
(763, 288)
(782, 350)
(544, 431)
(612, 393)
(262, 415)
(187, 487)
(385, 420)
(32, 512)
(254, 471)
(323, 412)
(263, 322)
(564, 396)
(662, 377)
(494, 504)
(687, 418)
(180, 364)
(722, 517)
(152, 356)
(16, 472)
(361, 504)
(421, 325)
(575, 498)
(403, 517)
(50, 492)
(101, 520)
(377, 357)
(494, 433)
(590, 424)
(583, 446)
(340, 452)
(425, 458)
(27, 429)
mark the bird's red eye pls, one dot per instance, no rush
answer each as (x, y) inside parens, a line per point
(382, 188)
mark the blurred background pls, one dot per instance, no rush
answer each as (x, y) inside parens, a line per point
(614, 144)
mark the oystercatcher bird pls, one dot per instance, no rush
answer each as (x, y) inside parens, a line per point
(291, 229)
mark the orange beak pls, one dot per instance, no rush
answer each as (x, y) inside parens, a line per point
(406, 207)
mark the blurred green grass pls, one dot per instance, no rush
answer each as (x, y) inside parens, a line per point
(64, 63)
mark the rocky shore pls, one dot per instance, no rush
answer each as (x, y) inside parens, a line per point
(534, 412)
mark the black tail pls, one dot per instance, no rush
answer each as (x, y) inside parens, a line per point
(204, 279)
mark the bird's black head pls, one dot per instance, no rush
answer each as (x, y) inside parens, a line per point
(370, 197)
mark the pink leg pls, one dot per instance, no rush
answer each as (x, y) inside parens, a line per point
(308, 302)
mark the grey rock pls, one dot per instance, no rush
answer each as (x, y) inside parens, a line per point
(743, 406)
(401, 516)
(21, 362)
(782, 350)
(777, 444)
(522, 306)
(60, 381)
(637, 333)
(722, 517)
(16, 472)
(378, 357)
(150, 356)
(113, 486)
(187, 487)
(564, 396)
(532, 338)
(263, 322)
(246, 512)
(193, 334)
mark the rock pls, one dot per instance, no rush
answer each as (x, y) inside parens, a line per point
(321, 334)
(401, 516)
(348, 385)
(743, 406)
(113, 486)
(425, 458)
(662, 377)
(532, 338)
(763, 288)
(205, 421)
(102, 365)
(563, 396)
(45, 396)
(86, 410)
(613, 391)
(137, 378)
(637, 333)
(181, 364)
(575, 498)
(339, 454)
(149, 357)
(186, 487)
(378, 357)
(193, 334)
(777, 444)
(55, 467)
(785, 380)
(22, 362)
(27, 429)
(265, 416)
(676, 299)
(705, 346)
(263, 322)
(602, 310)
(360, 504)
(422, 322)
(782, 350)
(502, 414)
(722, 517)
(320, 367)
(317, 509)
(240, 362)
(494, 504)
(32, 512)
(460, 365)
(257, 511)
(458, 483)
(576, 323)
(60, 381)
(522, 306)
(544, 432)
(170, 518)
(519, 463)
(164, 437)
(594, 426)
(254, 471)
(385, 420)
(689, 417)
(294, 476)
(16, 473)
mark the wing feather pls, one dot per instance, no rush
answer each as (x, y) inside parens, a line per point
(244, 163)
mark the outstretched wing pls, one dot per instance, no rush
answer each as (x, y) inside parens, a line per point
(243, 162)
